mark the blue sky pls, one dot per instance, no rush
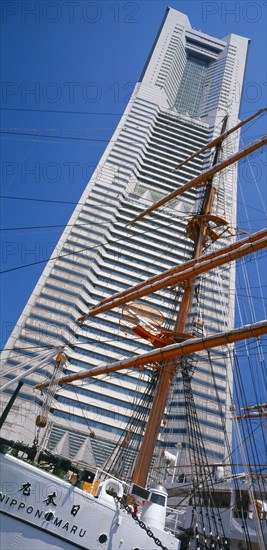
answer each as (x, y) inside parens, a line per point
(68, 69)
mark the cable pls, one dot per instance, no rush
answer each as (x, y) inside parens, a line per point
(86, 344)
(59, 137)
(37, 130)
(59, 111)
(76, 225)
(83, 112)
(76, 252)
(54, 226)
(50, 140)
(38, 200)
(30, 347)
(44, 200)
(64, 225)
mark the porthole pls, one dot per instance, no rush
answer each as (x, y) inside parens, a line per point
(103, 538)
(49, 516)
(136, 548)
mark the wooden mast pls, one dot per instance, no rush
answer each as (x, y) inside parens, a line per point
(170, 352)
(220, 138)
(206, 177)
(167, 374)
(180, 273)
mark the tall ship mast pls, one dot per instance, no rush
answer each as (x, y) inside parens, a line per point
(177, 443)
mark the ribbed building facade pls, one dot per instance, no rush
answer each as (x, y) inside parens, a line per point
(190, 82)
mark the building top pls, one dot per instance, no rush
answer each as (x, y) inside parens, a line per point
(197, 74)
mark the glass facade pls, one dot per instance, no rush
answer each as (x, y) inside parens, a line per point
(189, 97)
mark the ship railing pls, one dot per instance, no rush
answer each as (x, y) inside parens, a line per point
(174, 519)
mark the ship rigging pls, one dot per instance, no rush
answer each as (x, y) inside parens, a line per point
(174, 352)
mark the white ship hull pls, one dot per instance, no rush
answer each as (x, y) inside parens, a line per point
(38, 510)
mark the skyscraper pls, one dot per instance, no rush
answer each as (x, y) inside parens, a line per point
(190, 82)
